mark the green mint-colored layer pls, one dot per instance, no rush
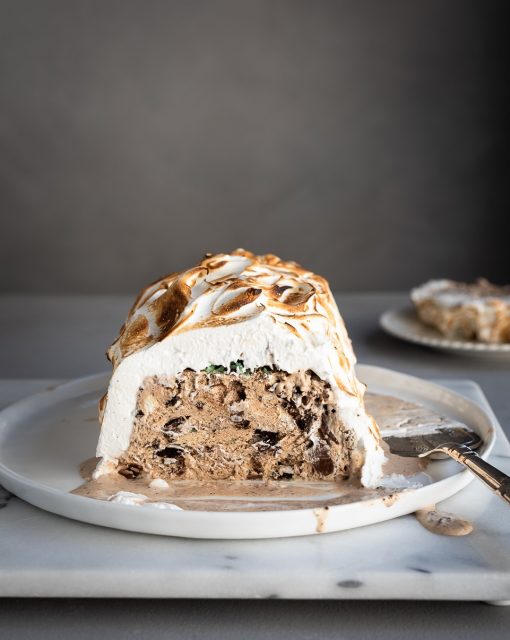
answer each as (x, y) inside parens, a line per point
(234, 367)
(215, 368)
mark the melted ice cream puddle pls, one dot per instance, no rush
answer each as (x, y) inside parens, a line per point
(442, 523)
(321, 516)
(401, 474)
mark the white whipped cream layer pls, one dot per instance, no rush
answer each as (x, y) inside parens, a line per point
(258, 341)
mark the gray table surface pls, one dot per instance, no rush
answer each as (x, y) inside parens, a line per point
(65, 337)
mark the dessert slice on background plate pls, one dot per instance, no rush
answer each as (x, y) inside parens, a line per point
(238, 368)
(455, 317)
(478, 311)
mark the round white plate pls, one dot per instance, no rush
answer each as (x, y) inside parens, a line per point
(405, 324)
(45, 437)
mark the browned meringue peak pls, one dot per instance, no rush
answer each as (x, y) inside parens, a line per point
(230, 288)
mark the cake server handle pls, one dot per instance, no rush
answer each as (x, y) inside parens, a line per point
(498, 481)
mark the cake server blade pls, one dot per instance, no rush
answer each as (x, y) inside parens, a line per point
(459, 443)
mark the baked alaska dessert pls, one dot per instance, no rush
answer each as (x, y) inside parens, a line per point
(478, 311)
(238, 368)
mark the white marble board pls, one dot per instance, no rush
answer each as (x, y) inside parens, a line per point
(44, 555)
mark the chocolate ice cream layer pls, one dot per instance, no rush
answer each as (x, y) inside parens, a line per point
(216, 425)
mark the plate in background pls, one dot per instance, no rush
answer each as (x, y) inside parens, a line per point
(404, 323)
(44, 438)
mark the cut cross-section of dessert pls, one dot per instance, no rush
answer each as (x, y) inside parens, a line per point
(239, 368)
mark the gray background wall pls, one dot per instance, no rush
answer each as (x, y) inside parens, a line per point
(367, 139)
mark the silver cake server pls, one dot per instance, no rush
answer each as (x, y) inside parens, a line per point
(458, 443)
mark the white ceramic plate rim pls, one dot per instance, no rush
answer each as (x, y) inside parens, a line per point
(247, 524)
(404, 323)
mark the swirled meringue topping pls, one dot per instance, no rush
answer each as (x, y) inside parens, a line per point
(226, 289)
